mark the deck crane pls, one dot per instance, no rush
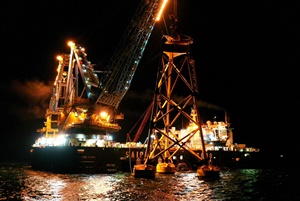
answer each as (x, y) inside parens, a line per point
(76, 105)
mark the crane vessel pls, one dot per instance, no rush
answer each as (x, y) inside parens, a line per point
(83, 110)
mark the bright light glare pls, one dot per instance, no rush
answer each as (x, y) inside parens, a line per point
(103, 115)
(60, 140)
(59, 58)
(71, 44)
(161, 10)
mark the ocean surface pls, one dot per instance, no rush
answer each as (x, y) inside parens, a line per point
(20, 182)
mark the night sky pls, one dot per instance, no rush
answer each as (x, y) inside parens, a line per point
(246, 53)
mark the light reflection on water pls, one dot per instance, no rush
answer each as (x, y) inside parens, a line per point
(23, 183)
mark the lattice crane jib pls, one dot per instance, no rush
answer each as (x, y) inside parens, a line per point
(123, 64)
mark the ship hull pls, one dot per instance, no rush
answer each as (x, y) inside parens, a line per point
(72, 159)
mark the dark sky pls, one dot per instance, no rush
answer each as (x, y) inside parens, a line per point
(246, 53)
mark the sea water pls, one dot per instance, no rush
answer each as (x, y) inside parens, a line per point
(20, 182)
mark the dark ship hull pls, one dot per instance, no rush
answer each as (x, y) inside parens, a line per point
(74, 159)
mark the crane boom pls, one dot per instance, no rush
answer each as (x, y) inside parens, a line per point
(124, 62)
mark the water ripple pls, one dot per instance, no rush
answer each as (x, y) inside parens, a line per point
(23, 183)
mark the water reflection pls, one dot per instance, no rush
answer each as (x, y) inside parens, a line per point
(22, 183)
